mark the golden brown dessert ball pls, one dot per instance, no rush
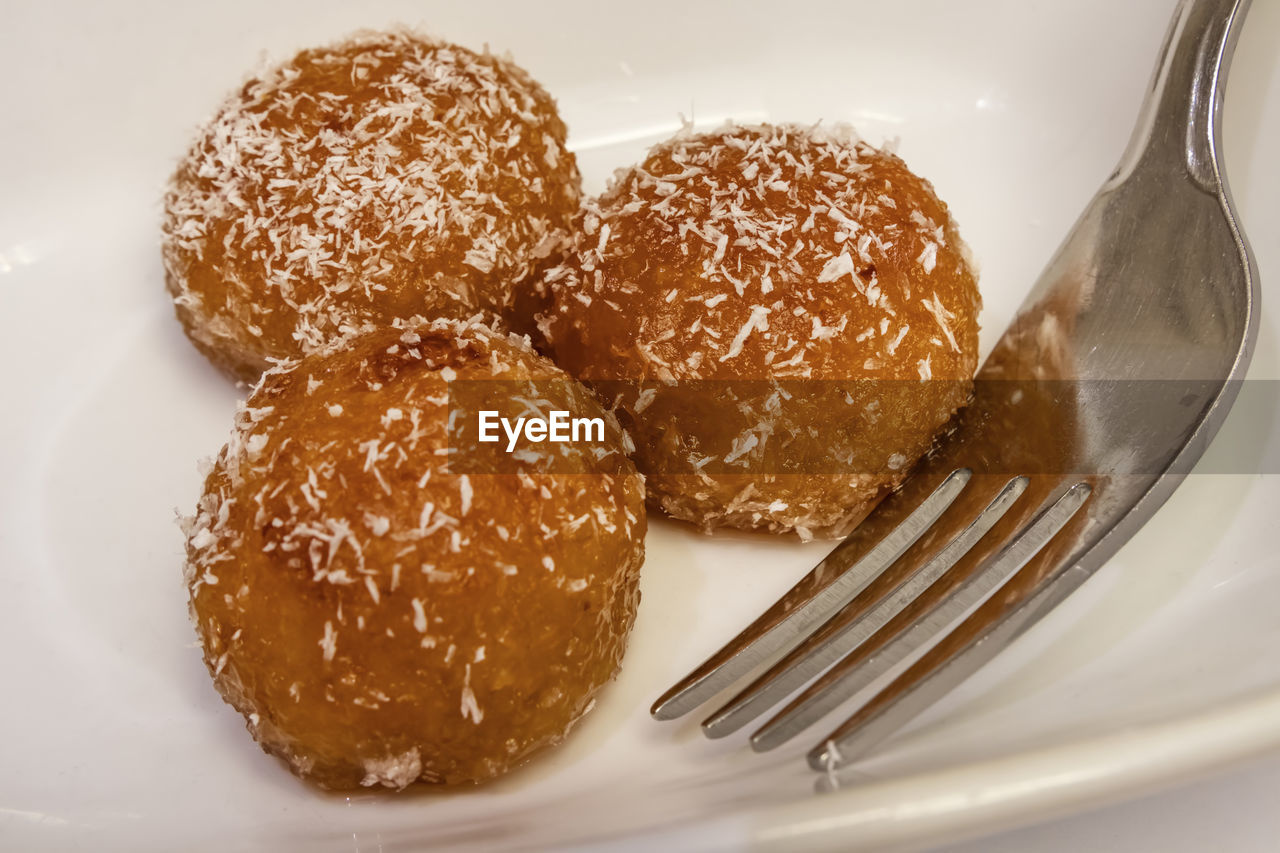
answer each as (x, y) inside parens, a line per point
(380, 618)
(799, 308)
(383, 177)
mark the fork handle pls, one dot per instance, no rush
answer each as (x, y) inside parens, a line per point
(1179, 125)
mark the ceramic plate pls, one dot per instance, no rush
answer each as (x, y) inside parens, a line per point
(1160, 668)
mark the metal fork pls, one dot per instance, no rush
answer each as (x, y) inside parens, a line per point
(1117, 372)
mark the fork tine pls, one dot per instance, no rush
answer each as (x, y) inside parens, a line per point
(851, 627)
(1022, 602)
(972, 581)
(836, 581)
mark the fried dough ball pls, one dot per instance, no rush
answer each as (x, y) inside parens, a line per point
(383, 177)
(380, 618)
(782, 317)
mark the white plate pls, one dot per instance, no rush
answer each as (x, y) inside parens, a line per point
(1162, 667)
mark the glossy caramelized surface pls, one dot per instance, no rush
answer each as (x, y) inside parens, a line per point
(382, 177)
(802, 307)
(380, 618)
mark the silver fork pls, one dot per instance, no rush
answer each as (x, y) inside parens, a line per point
(1117, 372)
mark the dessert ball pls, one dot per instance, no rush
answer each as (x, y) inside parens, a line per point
(383, 177)
(380, 618)
(782, 318)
